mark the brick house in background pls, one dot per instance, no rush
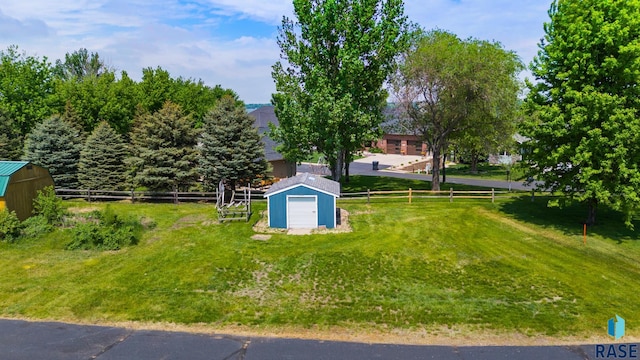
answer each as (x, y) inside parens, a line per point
(397, 139)
(281, 168)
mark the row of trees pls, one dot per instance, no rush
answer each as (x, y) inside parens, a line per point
(337, 56)
(166, 152)
(86, 91)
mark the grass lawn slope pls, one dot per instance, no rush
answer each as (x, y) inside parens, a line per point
(515, 266)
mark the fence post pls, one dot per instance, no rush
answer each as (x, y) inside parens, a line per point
(368, 196)
(493, 195)
(409, 195)
(450, 194)
(89, 195)
(532, 194)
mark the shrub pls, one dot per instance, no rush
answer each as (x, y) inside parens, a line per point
(35, 226)
(375, 150)
(105, 230)
(48, 205)
(9, 226)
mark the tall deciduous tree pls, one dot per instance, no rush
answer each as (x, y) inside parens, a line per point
(164, 155)
(448, 88)
(231, 148)
(584, 120)
(194, 97)
(26, 85)
(10, 140)
(80, 64)
(99, 98)
(337, 54)
(55, 145)
(101, 165)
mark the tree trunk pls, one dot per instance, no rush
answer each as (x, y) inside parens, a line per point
(435, 178)
(347, 162)
(591, 212)
(336, 168)
(474, 162)
(444, 168)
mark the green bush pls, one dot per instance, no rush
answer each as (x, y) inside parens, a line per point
(48, 205)
(105, 230)
(375, 150)
(9, 226)
(35, 226)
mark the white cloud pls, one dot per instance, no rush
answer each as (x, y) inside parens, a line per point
(201, 39)
(12, 28)
(268, 11)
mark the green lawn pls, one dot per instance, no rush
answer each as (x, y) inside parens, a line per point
(486, 172)
(360, 183)
(514, 266)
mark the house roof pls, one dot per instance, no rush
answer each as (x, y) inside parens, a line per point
(8, 168)
(265, 115)
(393, 123)
(317, 182)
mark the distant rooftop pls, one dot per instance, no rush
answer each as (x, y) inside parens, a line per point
(265, 115)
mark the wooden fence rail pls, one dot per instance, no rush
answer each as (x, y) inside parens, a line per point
(179, 196)
(150, 196)
(411, 194)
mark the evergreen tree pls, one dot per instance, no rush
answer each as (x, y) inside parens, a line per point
(55, 145)
(231, 148)
(10, 140)
(164, 151)
(101, 165)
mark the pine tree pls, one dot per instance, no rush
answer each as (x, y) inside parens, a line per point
(10, 140)
(101, 165)
(164, 151)
(231, 148)
(55, 145)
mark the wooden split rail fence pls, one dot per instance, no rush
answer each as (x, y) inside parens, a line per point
(411, 194)
(177, 197)
(148, 196)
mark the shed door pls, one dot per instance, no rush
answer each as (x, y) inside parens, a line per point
(302, 212)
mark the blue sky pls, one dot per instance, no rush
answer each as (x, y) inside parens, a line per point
(229, 42)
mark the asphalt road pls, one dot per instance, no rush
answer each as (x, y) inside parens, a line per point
(21, 340)
(360, 168)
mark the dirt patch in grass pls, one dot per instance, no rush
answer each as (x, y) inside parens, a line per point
(190, 220)
(262, 226)
(342, 227)
(83, 210)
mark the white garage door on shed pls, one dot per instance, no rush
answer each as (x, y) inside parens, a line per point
(302, 212)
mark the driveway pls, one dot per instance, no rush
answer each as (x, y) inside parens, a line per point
(22, 340)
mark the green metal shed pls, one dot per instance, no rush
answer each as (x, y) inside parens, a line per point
(20, 182)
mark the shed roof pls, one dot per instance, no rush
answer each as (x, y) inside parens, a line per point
(8, 168)
(313, 181)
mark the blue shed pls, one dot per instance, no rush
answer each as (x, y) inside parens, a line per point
(302, 201)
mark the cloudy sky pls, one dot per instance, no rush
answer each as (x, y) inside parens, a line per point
(228, 42)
